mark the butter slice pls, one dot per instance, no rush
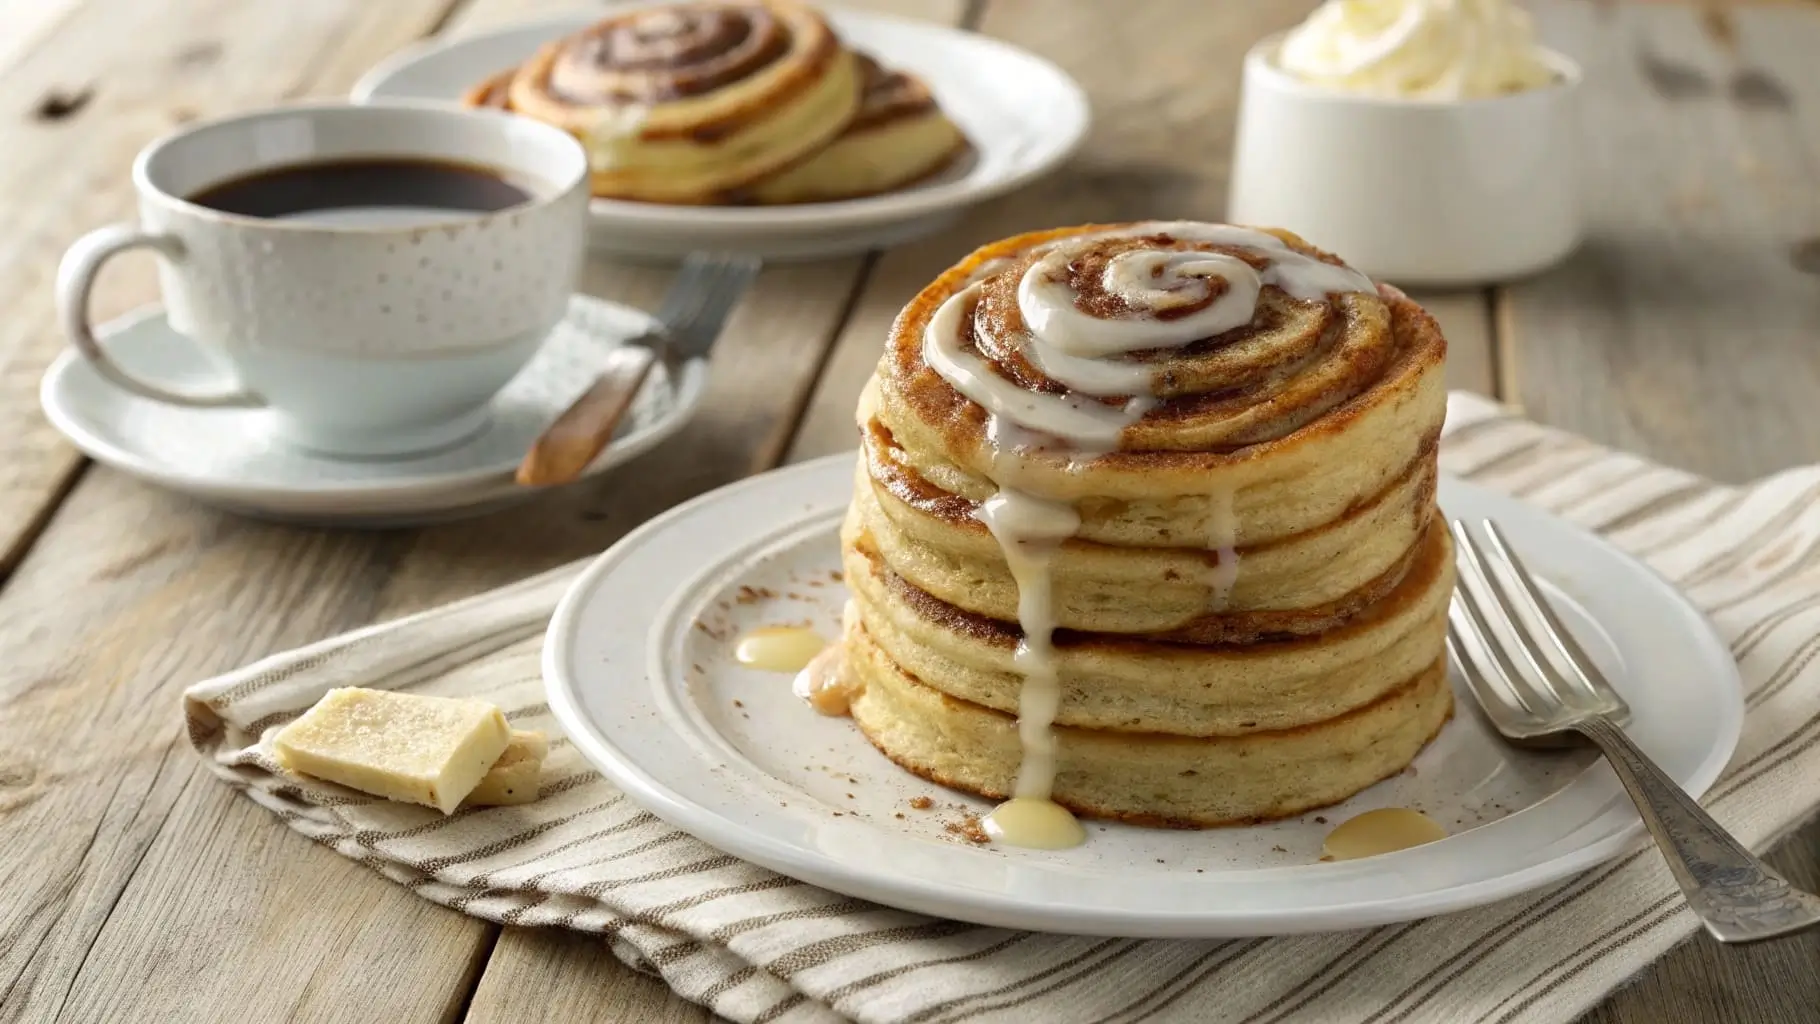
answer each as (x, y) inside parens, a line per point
(514, 777)
(400, 746)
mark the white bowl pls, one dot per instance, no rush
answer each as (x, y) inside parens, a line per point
(1414, 191)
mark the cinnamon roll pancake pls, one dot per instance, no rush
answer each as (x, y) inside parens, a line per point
(491, 91)
(747, 101)
(1144, 528)
(690, 102)
(899, 136)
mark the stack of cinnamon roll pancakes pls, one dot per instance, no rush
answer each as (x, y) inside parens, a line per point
(1145, 525)
(745, 101)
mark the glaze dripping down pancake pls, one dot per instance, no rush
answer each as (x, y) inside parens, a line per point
(1145, 524)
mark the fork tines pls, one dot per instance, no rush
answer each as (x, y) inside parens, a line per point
(1522, 662)
(705, 289)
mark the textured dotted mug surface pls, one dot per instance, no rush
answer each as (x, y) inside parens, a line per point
(367, 334)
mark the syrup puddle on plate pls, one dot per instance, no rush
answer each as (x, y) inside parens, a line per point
(1386, 830)
(1034, 823)
(824, 686)
(798, 649)
(779, 648)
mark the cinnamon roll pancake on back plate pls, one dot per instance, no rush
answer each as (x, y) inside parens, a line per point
(898, 137)
(1145, 528)
(688, 103)
(726, 103)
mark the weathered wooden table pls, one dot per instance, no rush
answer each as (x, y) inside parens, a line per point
(135, 887)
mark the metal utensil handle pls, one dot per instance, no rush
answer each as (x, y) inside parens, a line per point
(1737, 896)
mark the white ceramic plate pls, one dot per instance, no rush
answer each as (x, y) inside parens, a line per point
(227, 457)
(649, 692)
(1023, 115)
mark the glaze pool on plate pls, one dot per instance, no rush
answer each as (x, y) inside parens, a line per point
(648, 690)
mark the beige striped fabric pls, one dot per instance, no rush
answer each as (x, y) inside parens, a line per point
(759, 947)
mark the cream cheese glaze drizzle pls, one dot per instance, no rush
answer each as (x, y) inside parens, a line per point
(1028, 530)
(1071, 417)
(1090, 356)
(1146, 279)
(1059, 335)
(1223, 538)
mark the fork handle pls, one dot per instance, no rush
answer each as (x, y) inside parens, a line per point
(1736, 896)
(574, 439)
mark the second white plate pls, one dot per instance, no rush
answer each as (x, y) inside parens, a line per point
(1023, 115)
(650, 693)
(229, 458)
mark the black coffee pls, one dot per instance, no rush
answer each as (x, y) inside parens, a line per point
(367, 190)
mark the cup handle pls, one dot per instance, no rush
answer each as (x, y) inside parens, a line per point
(76, 279)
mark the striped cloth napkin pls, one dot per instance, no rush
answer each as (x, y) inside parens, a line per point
(758, 947)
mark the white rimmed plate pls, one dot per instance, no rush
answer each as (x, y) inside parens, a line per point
(228, 457)
(649, 692)
(1023, 115)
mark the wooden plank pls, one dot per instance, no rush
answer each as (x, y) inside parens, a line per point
(24, 22)
(552, 974)
(87, 773)
(1685, 329)
(481, 15)
(1465, 318)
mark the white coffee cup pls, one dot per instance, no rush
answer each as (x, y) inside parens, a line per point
(1412, 191)
(379, 332)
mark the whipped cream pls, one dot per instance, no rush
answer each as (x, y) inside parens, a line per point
(1425, 49)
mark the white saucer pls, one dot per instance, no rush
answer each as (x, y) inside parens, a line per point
(228, 458)
(650, 694)
(1023, 115)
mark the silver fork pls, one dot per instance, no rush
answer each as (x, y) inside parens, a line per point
(705, 290)
(1535, 683)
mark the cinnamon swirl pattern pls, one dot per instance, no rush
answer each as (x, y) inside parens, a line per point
(899, 136)
(732, 102)
(1145, 526)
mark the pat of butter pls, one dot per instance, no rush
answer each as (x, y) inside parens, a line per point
(513, 778)
(400, 746)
